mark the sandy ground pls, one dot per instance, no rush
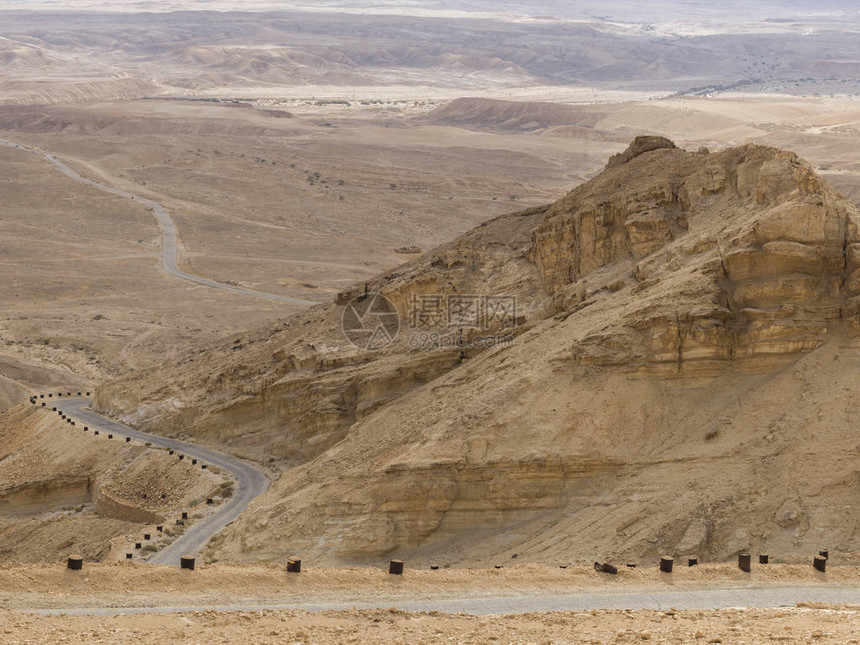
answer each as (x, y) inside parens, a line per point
(802, 625)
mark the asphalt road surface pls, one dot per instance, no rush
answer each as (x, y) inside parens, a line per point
(168, 232)
(250, 480)
(695, 599)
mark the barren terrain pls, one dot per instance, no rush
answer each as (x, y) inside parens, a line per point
(730, 273)
(301, 208)
(66, 491)
(308, 147)
(823, 623)
(678, 375)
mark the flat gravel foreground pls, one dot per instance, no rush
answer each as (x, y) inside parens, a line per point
(820, 624)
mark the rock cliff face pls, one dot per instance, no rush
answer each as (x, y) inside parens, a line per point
(680, 378)
(766, 244)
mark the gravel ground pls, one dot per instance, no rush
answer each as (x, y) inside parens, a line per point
(816, 624)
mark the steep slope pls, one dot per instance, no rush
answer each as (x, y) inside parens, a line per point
(63, 491)
(680, 379)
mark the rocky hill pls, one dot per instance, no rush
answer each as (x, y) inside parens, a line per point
(678, 376)
(63, 491)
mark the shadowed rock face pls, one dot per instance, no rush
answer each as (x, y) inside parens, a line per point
(686, 329)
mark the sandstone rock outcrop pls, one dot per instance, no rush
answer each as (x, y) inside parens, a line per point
(681, 373)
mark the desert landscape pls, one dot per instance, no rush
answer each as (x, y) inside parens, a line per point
(476, 286)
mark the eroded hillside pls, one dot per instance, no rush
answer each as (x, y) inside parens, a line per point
(680, 379)
(65, 491)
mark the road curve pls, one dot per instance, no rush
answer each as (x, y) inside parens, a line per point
(168, 232)
(250, 480)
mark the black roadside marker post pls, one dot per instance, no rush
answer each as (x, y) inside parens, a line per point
(666, 563)
(744, 562)
(692, 561)
(186, 562)
(763, 558)
(75, 563)
(820, 563)
(395, 567)
(294, 565)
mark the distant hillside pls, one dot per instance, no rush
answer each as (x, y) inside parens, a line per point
(84, 56)
(512, 115)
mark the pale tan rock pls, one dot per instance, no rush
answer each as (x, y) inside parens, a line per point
(669, 313)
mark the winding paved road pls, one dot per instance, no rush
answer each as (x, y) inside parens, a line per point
(250, 480)
(168, 232)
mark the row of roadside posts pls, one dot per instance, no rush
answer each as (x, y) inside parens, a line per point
(76, 562)
(819, 562)
(396, 567)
